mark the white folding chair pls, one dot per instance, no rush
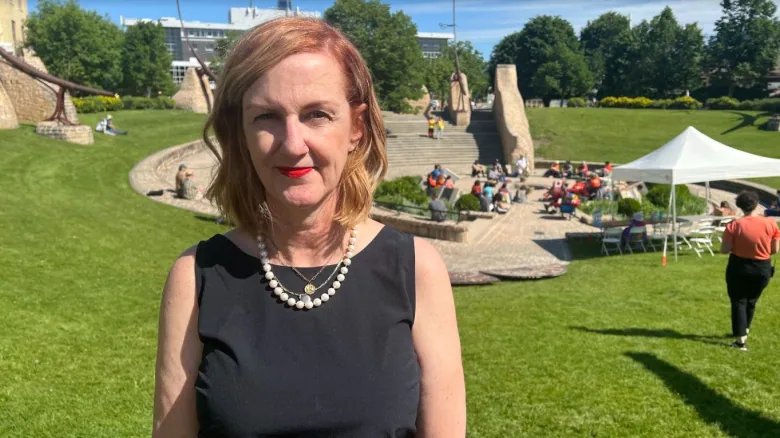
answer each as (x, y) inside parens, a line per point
(611, 238)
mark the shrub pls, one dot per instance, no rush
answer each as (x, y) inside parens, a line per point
(400, 189)
(687, 203)
(723, 102)
(685, 102)
(606, 207)
(628, 206)
(661, 103)
(137, 103)
(577, 102)
(96, 104)
(625, 102)
(467, 202)
(770, 105)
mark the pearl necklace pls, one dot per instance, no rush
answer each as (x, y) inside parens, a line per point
(304, 300)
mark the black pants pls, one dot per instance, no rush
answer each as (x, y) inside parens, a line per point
(745, 280)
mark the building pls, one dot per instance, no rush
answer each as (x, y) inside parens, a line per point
(13, 14)
(203, 36)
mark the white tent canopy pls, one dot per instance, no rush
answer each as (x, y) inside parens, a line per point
(693, 157)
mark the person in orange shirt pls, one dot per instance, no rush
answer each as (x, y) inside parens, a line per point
(750, 241)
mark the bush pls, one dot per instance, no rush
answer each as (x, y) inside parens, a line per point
(96, 104)
(661, 103)
(628, 206)
(723, 102)
(138, 103)
(685, 102)
(687, 203)
(397, 190)
(606, 207)
(577, 102)
(770, 105)
(467, 202)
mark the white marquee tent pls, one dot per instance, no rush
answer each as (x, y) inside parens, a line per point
(693, 157)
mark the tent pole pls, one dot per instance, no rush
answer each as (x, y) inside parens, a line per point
(707, 190)
(674, 220)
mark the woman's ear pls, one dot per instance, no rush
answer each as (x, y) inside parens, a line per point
(358, 125)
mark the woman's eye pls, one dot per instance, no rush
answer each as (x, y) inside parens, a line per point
(318, 115)
(264, 116)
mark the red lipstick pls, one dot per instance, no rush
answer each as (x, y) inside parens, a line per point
(294, 172)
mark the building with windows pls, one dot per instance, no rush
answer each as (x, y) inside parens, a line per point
(203, 36)
(13, 14)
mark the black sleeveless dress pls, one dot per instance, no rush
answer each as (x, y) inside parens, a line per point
(345, 369)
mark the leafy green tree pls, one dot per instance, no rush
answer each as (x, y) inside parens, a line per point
(565, 75)
(607, 45)
(437, 71)
(669, 57)
(388, 43)
(222, 50)
(76, 45)
(146, 62)
(550, 42)
(745, 44)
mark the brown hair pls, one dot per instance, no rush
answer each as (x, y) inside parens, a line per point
(236, 188)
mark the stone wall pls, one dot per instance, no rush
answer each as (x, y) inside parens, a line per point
(190, 95)
(8, 118)
(455, 232)
(13, 14)
(510, 117)
(80, 134)
(33, 100)
(420, 105)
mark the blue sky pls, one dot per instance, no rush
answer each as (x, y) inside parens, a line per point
(483, 22)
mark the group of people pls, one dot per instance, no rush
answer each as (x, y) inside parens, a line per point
(438, 178)
(498, 172)
(497, 199)
(567, 170)
(435, 127)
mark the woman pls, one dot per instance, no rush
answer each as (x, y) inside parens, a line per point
(750, 241)
(476, 188)
(308, 318)
(724, 210)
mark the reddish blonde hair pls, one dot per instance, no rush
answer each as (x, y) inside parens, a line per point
(236, 188)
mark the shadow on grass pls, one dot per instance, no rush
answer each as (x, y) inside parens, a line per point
(747, 120)
(653, 333)
(711, 406)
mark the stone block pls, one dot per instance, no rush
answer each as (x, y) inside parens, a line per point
(33, 100)
(79, 134)
(512, 122)
(8, 118)
(190, 95)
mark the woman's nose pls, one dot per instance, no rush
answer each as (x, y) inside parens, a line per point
(293, 140)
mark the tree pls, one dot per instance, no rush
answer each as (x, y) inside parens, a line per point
(75, 44)
(146, 62)
(550, 42)
(222, 50)
(745, 44)
(606, 43)
(565, 75)
(388, 43)
(669, 57)
(437, 71)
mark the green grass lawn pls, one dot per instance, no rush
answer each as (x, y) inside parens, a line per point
(620, 346)
(623, 135)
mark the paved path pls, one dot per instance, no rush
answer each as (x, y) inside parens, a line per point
(525, 237)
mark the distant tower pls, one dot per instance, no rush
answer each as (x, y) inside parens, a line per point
(285, 5)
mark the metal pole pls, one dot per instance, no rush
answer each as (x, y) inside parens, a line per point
(674, 221)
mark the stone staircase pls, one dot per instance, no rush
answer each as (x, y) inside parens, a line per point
(410, 148)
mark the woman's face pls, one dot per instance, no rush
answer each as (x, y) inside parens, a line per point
(299, 129)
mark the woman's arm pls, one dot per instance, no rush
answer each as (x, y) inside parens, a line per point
(436, 340)
(178, 353)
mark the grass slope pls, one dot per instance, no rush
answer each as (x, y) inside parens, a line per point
(619, 346)
(623, 135)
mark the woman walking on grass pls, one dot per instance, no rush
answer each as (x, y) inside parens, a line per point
(750, 241)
